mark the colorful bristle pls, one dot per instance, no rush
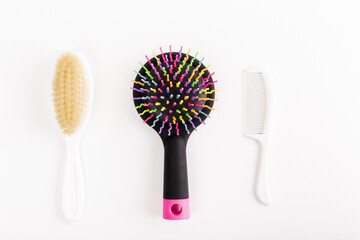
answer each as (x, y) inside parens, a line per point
(173, 88)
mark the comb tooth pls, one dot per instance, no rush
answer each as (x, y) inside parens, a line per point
(187, 83)
(181, 90)
(195, 90)
(256, 103)
(177, 96)
(167, 89)
(171, 68)
(162, 97)
(188, 91)
(186, 97)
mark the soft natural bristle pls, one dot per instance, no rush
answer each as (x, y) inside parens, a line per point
(256, 103)
(69, 92)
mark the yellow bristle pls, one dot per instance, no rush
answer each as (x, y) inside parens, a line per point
(69, 92)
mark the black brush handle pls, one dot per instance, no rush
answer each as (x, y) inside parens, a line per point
(176, 191)
(175, 169)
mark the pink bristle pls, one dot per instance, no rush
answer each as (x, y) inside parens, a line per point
(158, 75)
(148, 118)
(205, 79)
(177, 129)
(170, 54)
(154, 97)
(175, 60)
(210, 83)
(160, 90)
(162, 83)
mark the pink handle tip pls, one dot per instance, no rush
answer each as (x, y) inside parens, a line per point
(176, 209)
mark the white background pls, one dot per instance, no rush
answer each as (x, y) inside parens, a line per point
(313, 51)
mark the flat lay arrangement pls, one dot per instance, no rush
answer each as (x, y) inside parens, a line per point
(173, 92)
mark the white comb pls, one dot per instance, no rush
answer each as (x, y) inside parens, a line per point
(258, 123)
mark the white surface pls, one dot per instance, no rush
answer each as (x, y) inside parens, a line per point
(312, 49)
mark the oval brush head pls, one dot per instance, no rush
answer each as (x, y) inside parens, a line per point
(174, 93)
(72, 93)
(69, 92)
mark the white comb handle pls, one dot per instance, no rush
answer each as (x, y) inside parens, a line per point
(262, 189)
(73, 182)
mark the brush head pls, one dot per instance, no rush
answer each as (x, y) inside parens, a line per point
(173, 93)
(70, 92)
(256, 102)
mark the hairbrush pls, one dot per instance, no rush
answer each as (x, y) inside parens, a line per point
(72, 95)
(174, 93)
(259, 112)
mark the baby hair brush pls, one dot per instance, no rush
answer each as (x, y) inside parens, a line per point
(259, 122)
(174, 93)
(72, 95)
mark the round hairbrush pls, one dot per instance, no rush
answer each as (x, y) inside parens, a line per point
(174, 93)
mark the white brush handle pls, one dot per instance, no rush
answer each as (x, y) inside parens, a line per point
(262, 189)
(73, 182)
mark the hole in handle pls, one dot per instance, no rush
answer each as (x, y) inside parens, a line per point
(176, 209)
